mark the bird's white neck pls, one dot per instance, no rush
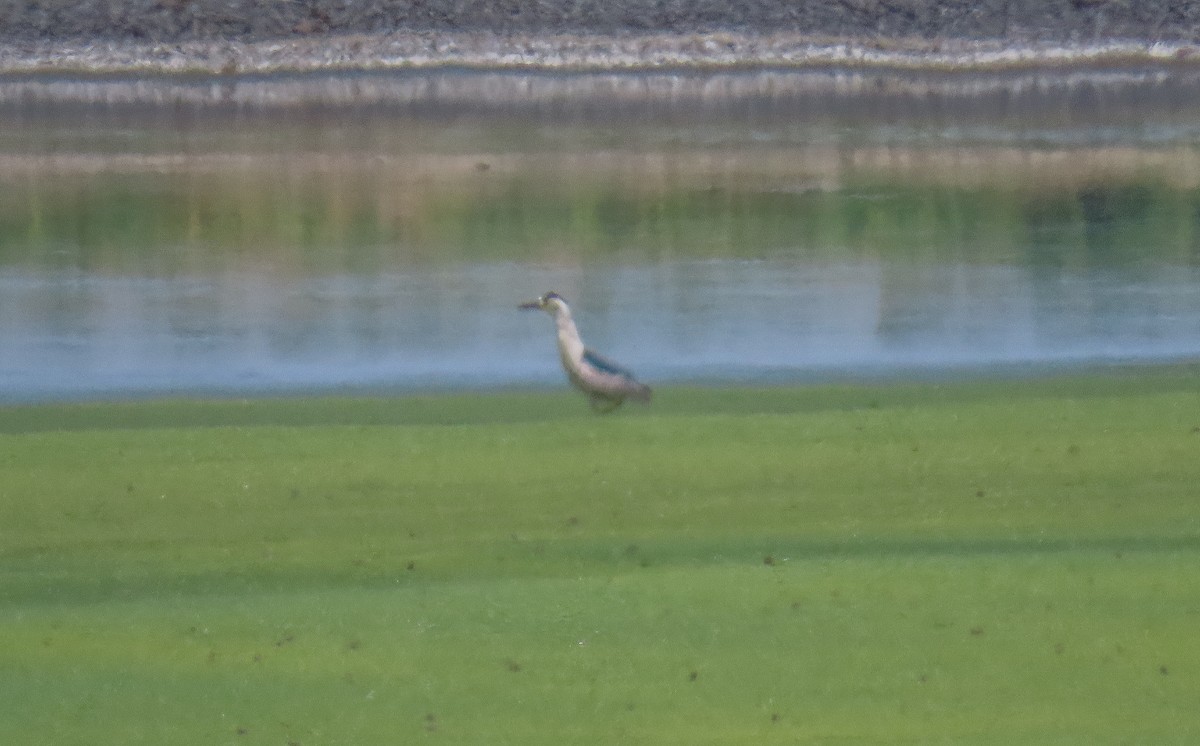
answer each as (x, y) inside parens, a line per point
(570, 346)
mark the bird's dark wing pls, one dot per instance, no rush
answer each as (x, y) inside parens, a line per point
(603, 379)
(604, 365)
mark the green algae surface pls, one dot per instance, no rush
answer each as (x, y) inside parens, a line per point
(986, 562)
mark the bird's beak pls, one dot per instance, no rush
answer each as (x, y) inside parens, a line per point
(533, 305)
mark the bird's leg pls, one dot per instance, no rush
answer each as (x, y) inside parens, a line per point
(603, 405)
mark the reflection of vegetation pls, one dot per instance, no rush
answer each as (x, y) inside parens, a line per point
(774, 566)
(352, 221)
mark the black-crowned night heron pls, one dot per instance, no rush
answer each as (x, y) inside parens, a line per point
(606, 383)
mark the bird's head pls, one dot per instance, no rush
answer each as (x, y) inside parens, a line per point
(551, 302)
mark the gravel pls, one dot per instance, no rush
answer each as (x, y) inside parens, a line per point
(239, 35)
(1015, 21)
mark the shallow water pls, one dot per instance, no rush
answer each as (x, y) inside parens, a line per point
(311, 233)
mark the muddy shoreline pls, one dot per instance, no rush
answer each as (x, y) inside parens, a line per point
(573, 53)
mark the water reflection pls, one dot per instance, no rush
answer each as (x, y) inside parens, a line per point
(719, 319)
(738, 228)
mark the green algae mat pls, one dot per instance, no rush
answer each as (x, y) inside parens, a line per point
(964, 562)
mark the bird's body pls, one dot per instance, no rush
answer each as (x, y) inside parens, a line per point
(607, 384)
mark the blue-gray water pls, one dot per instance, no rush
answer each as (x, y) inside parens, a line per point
(719, 319)
(708, 237)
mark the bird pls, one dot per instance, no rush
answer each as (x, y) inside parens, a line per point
(606, 384)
